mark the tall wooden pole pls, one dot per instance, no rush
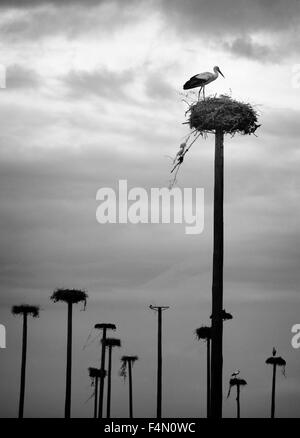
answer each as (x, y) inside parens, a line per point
(159, 310)
(109, 382)
(130, 389)
(159, 363)
(23, 367)
(273, 392)
(208, 389)
(69, 364)
(102, 377)
(238, 389)
(217, 284)
(96, 397)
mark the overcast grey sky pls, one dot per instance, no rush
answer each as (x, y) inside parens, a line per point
(93, 96)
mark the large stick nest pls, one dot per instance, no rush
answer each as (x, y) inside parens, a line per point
(223, 113)
(73, 296)
(26, 309)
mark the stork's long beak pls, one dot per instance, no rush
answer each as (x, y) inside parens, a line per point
(221, 73)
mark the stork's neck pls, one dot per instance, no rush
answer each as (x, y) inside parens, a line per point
(216, 73)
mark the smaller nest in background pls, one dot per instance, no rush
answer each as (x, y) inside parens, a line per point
(225, 315)
(95, 372)
(203, 332)
(26, 309)
(105, 326)
(276, 361)
(112, 342)
(73, 296)
(129, 358)
(125, 360)
(237, 382)
(223, 113)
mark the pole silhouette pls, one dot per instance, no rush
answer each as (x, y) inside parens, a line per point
(95, 374)
(221, 115)
(24, 310)
(275, 361)
(127, 364)
(238, 383)
(70, 297)
(110, 343)
(204, 333)
(104, 327)
(159, 310)
(217, 285)
(273, 392)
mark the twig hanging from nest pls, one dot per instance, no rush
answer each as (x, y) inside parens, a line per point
(178, 160)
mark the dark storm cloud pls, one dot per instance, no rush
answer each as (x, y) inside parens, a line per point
(202, 15)
(49, 18)
(229, 24)
(231, 16)
(245, 47)
(36, 3)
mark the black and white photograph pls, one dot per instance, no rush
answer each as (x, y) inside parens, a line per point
(149, 212)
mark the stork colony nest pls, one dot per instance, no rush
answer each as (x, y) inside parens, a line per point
(96, 373)
(125, 360)
(223, 113)
(276, 361)
(111, 342)
(105, 326)
(73, 296)
(237, 382)
(203, 332)
(26, 309)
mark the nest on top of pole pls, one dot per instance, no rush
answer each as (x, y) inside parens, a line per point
(223, 113)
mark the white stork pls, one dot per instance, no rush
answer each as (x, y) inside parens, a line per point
(202, 79)
(236, 373)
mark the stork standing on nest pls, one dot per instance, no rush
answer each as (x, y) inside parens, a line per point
(202, 79)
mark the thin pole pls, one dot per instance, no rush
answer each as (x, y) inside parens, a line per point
(69, 364)
(238, 401)
(109, 383)
(159, 310)
(96, 397)
(23, 366)
(159, 363)
(273, 392)
(102, 377)
(217, 285)
(208, 378)
(130, 389)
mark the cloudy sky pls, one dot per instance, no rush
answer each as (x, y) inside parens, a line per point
(93, 95)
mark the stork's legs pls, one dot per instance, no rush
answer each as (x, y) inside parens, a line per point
(199, 93)
(202, 88)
